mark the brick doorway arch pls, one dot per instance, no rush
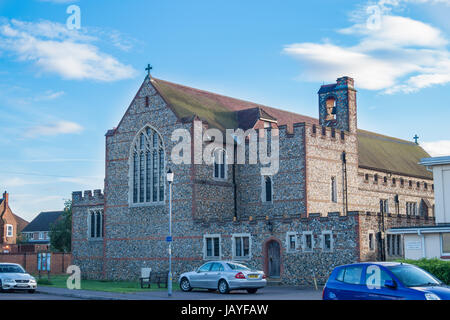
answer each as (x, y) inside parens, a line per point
(272, 253)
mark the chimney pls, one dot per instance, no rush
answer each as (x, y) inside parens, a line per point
(5, 197)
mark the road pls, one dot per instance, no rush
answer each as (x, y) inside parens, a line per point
(268, 293)
(33, 296)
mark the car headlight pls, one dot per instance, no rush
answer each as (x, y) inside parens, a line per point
(32, 280)
(8, 280)
(431, 296)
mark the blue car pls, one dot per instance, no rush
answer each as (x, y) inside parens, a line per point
(383, 281)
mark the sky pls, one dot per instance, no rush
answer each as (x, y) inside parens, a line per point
(65, 81)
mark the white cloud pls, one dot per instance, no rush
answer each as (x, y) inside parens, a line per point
(56, 128)
(437, 148)
(55, 49)
(19, 182)
(397, 54)
(49, 95)
(85, 182)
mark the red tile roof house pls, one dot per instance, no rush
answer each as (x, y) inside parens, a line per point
(337, 189)
(11, 226)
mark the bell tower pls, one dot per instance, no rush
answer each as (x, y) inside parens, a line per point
(337, 105)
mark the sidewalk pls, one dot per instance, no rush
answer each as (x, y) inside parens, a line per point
(100, 295)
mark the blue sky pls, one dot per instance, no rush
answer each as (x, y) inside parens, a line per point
(61, 89)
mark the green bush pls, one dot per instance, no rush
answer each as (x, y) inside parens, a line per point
(440, 269)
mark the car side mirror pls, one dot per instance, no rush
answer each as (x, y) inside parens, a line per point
(390, 284)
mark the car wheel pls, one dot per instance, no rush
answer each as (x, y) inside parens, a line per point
(252, 290)
(185, 285)
(223, 287)
(32, 290)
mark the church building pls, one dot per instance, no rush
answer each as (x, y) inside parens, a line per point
(336, 191)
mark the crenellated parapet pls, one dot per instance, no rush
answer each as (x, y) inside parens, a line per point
(88, 197)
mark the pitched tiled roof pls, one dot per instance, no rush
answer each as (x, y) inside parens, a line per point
(375, 151)
(390, 154)
(218, 110)
(43, 221)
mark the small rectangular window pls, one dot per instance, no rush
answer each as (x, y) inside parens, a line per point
(371, 242)
(308, 242)
(242, 246)
(9, 230)
(327, 239)
(212, 249)
(292, 242)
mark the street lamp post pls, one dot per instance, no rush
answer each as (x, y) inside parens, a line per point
(169, 283)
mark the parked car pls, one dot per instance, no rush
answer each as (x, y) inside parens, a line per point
(14, 277)
(383, 281)
(223, 276)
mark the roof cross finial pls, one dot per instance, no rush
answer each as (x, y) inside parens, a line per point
(148, 69)
(416, 137)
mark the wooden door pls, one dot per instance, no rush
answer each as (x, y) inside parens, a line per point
(273, 255)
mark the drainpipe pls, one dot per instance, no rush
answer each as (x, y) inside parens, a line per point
(344, 183)
(235, 142)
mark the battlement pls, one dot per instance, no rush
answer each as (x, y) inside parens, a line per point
(323, 132)
(88, 197)
(290, 131)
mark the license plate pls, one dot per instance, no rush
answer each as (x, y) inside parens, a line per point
(22, 285)
(253, 276)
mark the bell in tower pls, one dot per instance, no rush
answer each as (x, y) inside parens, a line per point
(337, 105)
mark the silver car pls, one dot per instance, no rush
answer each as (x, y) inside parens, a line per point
(14, 277)
(223, 276)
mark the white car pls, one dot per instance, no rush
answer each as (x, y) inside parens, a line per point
(14, 277)
(223, 276)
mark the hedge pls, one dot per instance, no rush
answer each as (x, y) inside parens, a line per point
(440, 269)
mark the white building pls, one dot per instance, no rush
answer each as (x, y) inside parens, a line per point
(431, 241)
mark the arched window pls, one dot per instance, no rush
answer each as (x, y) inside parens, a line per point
(95, 223)
(147, 168)
(219, 164)
(333, 189)
(267, 189)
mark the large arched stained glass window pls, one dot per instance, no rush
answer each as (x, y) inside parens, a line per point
(147, 168)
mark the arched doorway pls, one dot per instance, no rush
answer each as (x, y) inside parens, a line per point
(273, 258)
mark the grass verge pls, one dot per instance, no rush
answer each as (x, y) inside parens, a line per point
(60, 281)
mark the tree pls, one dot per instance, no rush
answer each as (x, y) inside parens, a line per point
(61, 230)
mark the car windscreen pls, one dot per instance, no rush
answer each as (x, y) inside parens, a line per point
(412, 276)
(11, 269)
(238, 266)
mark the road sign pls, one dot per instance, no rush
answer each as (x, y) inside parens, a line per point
(169, 239)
